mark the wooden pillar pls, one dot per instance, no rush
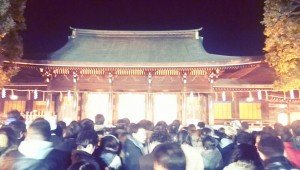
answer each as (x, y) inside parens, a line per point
(115, 110)
(2, 107)
(179, 106)
(235, 104)
(149, 107)
(183, 112)
(79, 104)
(210, 103)
(29, 105)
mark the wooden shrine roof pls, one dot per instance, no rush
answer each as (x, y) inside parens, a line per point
(139, 48)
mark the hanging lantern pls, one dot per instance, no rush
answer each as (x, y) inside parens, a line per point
(223, 96)
(35, 94)
(267, 95)
(250, 97)
(149, 78)
(43, 96)
(13, 96)
(110, 78)
(259, 95)
(184, 78)
(69, 95)
(28, 95)
(292, 95)
(3, 93)
(60, 96)
(216, 96)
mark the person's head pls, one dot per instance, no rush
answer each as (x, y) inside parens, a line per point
(173, 128)
(72, 130)
(62, 124)
(7, 139)
(110, 143)
(169, 156)
(245, 137)
(176, 122)
(269, 129)
(99, 119)
(245, 152)
(160, 136)
(183, 137)
(278, 127)
(14, 114)
(209, 143)
(191, 129)
(146, 124)
(39, 129)
(87, 124)
(230, 131)
(162, 124)
(87, 141)
(285, 134)
(121, 134)
(296, 127)
(84, 165)
(201, 125)
(270, 146)
(19, 128)
(240, 165)
(206, 132)
(245, 125)
(138, 132)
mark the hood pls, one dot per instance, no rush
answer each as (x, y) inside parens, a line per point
(35, 149)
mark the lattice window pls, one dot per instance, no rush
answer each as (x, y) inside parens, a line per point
(12, 105)
(222, 110)
(250, 110)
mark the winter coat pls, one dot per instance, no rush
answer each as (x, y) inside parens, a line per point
(133, 150)
(82, 156)
(193, 158)
(277, 163)
(292, 153)
(212, 159)
(35, 155)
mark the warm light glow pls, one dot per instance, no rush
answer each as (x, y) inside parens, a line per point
(165, 107)
(223, 96)
(292, 95)
(35, 94)
(283, 118)
(69, 95)
(96, 103)
(3, 93)
(13, 96)
(259, 95)
(67, 120)
(132, 106)
(250, 98)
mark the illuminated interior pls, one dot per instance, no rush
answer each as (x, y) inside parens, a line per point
(222, 110)
(96, 103)
(165, 108)
(250, 110)
(132, 106)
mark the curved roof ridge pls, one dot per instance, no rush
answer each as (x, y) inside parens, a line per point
(133, 33)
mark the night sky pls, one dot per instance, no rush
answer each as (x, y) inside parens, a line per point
(230, 27)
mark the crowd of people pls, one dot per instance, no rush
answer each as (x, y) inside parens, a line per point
(90, 145)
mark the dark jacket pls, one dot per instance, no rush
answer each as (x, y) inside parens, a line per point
(133, 151)
(82, 156)
(277, 163)
(57, 160)
(147, 161)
